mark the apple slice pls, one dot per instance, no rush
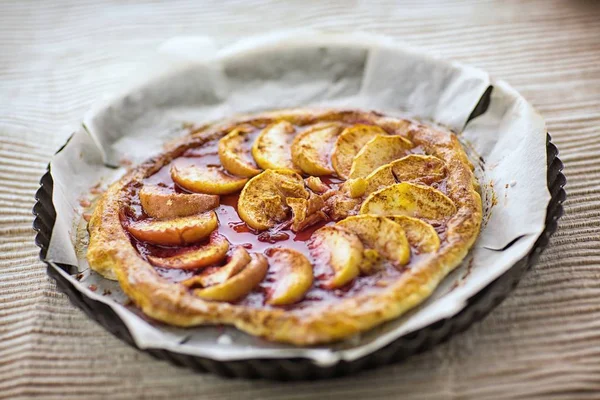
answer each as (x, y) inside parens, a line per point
(311, 149)
(240, 284)
(212, 252)
(234, 153)
(175, 232)
(206, 179)
(163, 203)
(380, 150)
(349, 143)
(419, 168)
(238, 260)
(381, 177)
(372, 262)
(380, 234)
(271, 149)
(414, 167)
(339, 205)
(341, 250)
(306, 212)
(409, 199)
(262, 203)
(315, 184)
(293, 276)
(421, 235)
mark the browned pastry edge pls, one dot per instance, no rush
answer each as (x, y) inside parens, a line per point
(110, 247)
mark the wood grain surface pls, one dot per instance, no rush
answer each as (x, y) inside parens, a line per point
(58, 57)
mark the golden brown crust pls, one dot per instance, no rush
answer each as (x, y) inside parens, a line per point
(110, 246)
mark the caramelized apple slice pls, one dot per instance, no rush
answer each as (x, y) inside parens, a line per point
(239, 259)
(414, 167)
(349, 143)
(271, 149)
(212, 252)
(419, 168)
(176, 231)
(206, 179)
(372, 262)
(240, 284)
(340, 205)
(378, 151)
(262, 203)
(315, 184)
(421, 235)
(162, 203)
(409, 199)
(234, 153)
(381, 177)
(380, 234)
(293, 276)
(306, 212)
(341, 250)
(311, 149)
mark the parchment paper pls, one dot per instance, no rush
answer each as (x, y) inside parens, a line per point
(192, 81)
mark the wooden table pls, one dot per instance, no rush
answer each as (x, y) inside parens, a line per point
(57, 58)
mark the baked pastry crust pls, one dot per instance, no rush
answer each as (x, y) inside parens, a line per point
(379, 299)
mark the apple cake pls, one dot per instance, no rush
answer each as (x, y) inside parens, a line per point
(300, 226)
